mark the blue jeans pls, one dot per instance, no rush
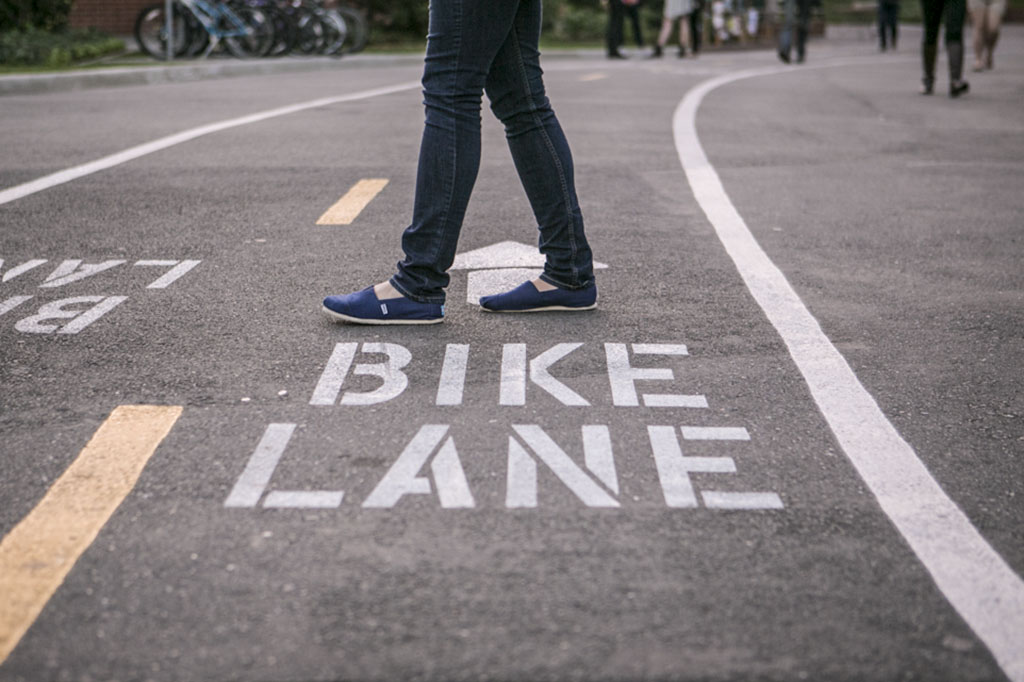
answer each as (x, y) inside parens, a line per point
(473, 46)
(798, 13)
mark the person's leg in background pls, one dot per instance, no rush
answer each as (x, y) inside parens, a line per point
(931, 13)
(683, 24)
(634, 18)
(888, 20)
(883, 25)
(979, 31)
(803, 26)
(895, 6)
(697, 26)
(663, 35)
(956, 10)
(614, 34)
(786, 32)
(993, 22)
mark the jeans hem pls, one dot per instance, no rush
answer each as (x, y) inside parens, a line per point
(564, 285)
(413, 297)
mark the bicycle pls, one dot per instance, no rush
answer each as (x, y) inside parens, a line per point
(201, 25)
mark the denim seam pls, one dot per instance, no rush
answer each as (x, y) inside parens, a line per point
(450, 188)
(573, 249)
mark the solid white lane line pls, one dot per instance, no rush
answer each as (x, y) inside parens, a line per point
(969, 572)
(69, 174)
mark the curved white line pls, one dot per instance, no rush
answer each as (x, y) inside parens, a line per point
(972, 576)
(69, 174)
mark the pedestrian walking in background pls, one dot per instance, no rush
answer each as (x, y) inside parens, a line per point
(632, 10)
(697, 27)
(954, 11)
(986, 17)
(613, 37)
(888, 23)
(676, 12)
(475, 46)
(796, 16)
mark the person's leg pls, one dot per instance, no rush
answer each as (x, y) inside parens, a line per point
(786, 34)
(994, 21)
(634, 18)
(463, 38)
(614, 36)
(662, 39)
(890, 24)
(979, 14)
(683, 22)
(515, 87)
(931, 12)
(697, 25)
(802, 28)
(955, 13)
(883, 24)
(895, 23)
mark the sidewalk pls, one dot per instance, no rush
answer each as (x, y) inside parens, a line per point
(184, 71)
(149, 71)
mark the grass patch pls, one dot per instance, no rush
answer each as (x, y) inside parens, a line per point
(54, 50)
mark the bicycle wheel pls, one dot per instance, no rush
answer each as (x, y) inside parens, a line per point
(259, 37)
(335, 32)
(358, 31)
(151, 31)
(311, 33)
(285, 33)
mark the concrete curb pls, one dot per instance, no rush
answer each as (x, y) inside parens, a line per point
(187, 71)
(183, 72)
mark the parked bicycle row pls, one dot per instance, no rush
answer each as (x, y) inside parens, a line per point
(250, 28)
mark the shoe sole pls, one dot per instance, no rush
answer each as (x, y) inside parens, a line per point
(549, 308)
(359, 320)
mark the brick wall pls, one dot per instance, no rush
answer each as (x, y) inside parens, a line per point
(116, 17)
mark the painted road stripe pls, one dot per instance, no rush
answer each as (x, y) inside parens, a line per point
(348, 208)
(715, 433)
(593, 77)
(40, 551)
(969, 572)
(132, 153)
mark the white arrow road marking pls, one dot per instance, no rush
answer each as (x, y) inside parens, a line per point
(969, 572)
(501, 267)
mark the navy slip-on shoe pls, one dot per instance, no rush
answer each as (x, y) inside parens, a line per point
(525, 298)
(363, 307)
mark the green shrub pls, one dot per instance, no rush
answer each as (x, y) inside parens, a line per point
(21, 15)
(55, 49)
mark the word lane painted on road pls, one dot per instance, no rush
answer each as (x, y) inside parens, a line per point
(431, 464)
(72, 314)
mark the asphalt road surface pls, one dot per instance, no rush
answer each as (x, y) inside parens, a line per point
(714, 476)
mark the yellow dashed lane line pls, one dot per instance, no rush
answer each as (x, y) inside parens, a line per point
(352, 204)
(40, 551)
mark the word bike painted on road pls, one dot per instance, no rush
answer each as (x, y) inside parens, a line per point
(430, 463)
(70, 315)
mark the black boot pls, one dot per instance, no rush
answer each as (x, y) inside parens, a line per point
(928, 55)
(957, 86)
(657, 52)
(801, 45)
